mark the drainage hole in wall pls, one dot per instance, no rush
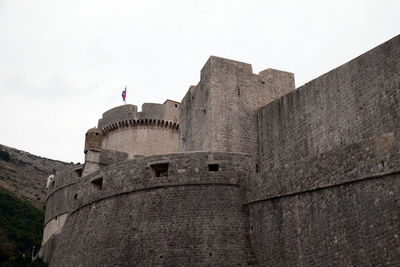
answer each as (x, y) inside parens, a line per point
(213, 167)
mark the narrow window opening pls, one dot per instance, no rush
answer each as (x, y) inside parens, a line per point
(97, 185)
(238, 89)
(176, 105)
(213, 167)
(75, 196)
(160, 170)
(78, 172)
(257, 168)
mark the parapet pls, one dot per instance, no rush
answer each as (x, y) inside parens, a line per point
(166, 112)
(118, 114)
(152, 131)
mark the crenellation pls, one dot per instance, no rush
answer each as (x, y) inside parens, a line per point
(246, 170)
(141, 133)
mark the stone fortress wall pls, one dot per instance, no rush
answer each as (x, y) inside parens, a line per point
(144, 217)
(318, 184)
(220, 112)
(328, 190)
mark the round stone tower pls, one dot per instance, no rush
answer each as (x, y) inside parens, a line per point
(93, 146)
(93, 140)
(152, 131)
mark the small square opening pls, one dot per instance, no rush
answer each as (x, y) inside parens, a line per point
(78, 173)
(213, 167)
(160, 170)
(97, 184)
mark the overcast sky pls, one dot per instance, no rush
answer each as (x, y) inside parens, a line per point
(63, 63)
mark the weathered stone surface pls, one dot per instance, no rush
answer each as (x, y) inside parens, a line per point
(150, 132)
(194, 215)
(354, 224)
(318, 185)
(220, 113)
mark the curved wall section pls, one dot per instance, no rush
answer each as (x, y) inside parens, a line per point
(150, 132)
(188, 214)
(54, 226)
(146, 137)
(117, 114)
(61, 192)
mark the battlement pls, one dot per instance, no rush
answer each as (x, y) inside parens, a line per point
(118, 114)
(272, 77)
(139, 122)
(168, 111)
(154, 130)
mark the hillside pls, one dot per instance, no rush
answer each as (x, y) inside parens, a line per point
(25, 174)
(20, 230)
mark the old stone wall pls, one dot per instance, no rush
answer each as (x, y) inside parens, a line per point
(168, 111)
(355, 101)
(143, 139)
(220, 113)
(327, 188)
(318, 186)
(54, 226)
(354, 224)
(141, 215)
(60, 192)
(152, 131)
(118, 114)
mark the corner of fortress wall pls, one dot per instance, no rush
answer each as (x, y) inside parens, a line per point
(220, 112)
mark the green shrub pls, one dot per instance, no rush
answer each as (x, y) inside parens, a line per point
(4, 155)
(22, 222)
(20, 261)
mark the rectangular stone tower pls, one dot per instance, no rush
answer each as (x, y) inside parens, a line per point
(220, 112)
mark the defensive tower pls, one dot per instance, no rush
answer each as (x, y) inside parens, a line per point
(220, 112)
(152, 131)
(93, 147)
(266, 175)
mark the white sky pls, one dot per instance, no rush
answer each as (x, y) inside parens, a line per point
(63, 63)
